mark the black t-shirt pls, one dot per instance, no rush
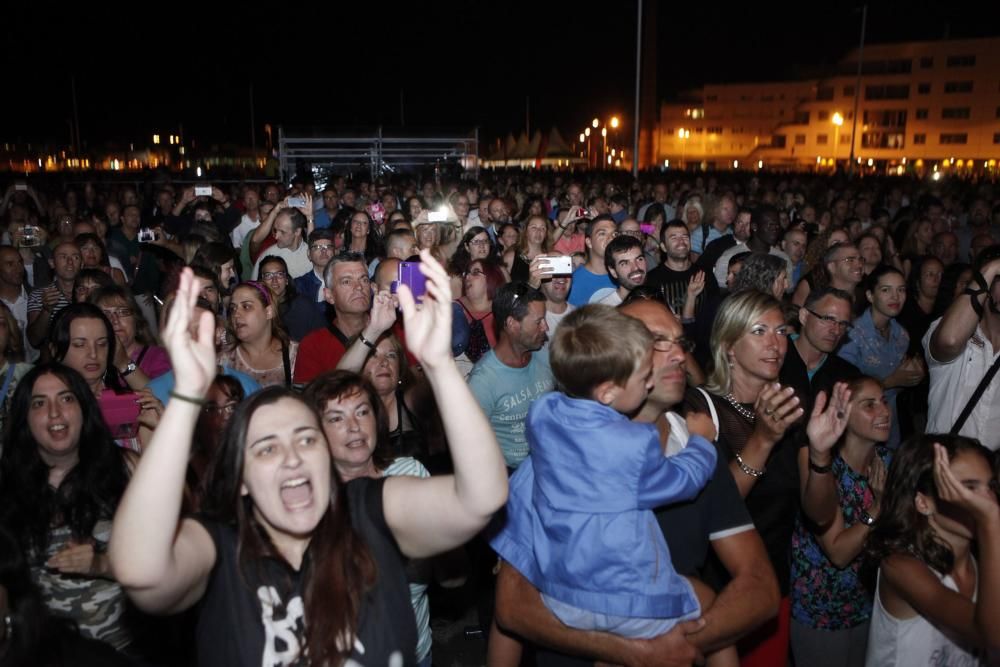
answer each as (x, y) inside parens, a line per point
(717, 511)
(674, 286)
(772, 502)
(256, 617)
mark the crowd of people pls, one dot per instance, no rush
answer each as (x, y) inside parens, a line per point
(745, 419)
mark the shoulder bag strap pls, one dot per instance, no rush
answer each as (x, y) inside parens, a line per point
(286, 361)
(976, 395)
(711, 409)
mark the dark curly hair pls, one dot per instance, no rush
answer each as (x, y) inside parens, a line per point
(90, 492)
(900, 528)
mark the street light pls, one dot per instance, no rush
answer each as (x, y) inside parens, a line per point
(683, 135)
(595, 123)
(614, 122)
(583, 137)
(837, 121)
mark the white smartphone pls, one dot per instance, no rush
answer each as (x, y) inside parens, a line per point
(561, 265)
(203, 191)
(437, 216)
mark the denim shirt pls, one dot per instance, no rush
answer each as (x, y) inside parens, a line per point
(878, 357)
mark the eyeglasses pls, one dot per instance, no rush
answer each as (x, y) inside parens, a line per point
(322, 247)
(271, 275)
(117, 313)
(479, 242)
(664, 344)
(227, 409)
(831, 321)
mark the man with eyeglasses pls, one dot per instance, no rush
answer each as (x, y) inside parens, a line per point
(321, 251)
(811, 364)
(717, 518)
(348, 291)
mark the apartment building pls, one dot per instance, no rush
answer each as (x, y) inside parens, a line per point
(921, 106)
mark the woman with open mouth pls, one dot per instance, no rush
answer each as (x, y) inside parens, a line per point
(307, 567)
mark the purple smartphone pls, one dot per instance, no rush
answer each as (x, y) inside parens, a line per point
(410, 275)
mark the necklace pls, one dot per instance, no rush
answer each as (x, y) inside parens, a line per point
(746, 414)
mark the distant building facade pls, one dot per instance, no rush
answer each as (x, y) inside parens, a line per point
(921, 106)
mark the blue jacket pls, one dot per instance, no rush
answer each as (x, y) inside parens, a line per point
(579, 523)
(308, 285)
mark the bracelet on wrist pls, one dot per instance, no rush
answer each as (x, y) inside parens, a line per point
(370, 345)
(749, 470)
(818, 469)
(187, 399)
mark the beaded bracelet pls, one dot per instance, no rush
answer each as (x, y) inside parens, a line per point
(753, 472)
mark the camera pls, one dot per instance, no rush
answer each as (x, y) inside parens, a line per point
(203, 191)
(146, 235)
(30, 237)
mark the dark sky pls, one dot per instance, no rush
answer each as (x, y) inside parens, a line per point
(459, 64)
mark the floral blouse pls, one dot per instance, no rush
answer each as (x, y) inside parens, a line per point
(825, 597)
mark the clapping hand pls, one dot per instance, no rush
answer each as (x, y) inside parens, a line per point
(777, 408)
(828, 419)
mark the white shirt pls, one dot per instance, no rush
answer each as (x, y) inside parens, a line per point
(552, 320)
(894, 642)
(952, 385)
(607, 296)
(242, 230)
(297, 260)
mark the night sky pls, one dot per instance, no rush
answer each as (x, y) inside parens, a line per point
(458, 64)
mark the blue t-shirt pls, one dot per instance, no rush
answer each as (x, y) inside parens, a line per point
(163, 385)
(585, 283)
(713, 233)
(505, 394)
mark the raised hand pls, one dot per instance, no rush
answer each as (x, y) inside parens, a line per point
(190, 342)
(828, 419)
(428, 326)
(696, 285)
(982, 506)
(383, 313)
(776, 408)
